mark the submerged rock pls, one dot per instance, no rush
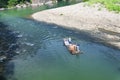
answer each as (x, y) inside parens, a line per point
(29, 44)
(19, 36)
(3, 58)
(2, 9)
(8, 46)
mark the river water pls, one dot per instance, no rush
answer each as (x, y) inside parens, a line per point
(41, 54)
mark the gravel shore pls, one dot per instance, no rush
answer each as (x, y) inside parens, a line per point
(94, 20)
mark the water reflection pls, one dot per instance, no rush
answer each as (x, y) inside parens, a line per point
(8, 45)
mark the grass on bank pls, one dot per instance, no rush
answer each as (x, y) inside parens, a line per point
(112, 5)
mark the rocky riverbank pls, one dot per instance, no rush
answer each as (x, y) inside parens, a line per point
(94, 20)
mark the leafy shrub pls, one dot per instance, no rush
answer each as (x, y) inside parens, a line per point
(113, 5)
(12, 3)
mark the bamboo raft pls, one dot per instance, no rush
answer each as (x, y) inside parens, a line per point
(73, 48)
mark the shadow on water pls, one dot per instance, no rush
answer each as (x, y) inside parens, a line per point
(80, 34)
(2, 78)
(8, 46)
(67, 31)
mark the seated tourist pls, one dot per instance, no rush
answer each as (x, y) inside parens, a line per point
(72, 48)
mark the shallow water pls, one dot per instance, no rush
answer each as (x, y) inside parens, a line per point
(42, 55)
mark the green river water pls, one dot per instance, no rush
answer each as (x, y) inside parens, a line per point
(42, 55)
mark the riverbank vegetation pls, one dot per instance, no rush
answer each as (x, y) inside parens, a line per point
(112, 5)
(10, 3)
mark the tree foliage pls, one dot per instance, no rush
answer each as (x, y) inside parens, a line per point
(12, 2)
(5, 3)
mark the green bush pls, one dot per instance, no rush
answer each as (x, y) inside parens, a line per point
(12, 3)
(3, 3)
(113, 5)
